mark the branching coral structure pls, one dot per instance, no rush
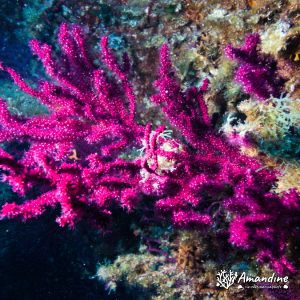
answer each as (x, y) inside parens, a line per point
(194, 179)
(257, 72)
(273, 125)
(73, 154)
(211, 169)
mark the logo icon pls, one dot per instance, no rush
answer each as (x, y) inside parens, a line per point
(226, 279)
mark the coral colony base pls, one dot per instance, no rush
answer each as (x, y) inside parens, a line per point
(73, 156)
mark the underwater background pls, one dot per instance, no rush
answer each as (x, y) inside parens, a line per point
(139, 254)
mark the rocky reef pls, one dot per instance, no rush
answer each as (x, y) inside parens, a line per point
(169, 151)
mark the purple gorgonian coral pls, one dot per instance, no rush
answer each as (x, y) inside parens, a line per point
(75, 155)
(256, 72)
